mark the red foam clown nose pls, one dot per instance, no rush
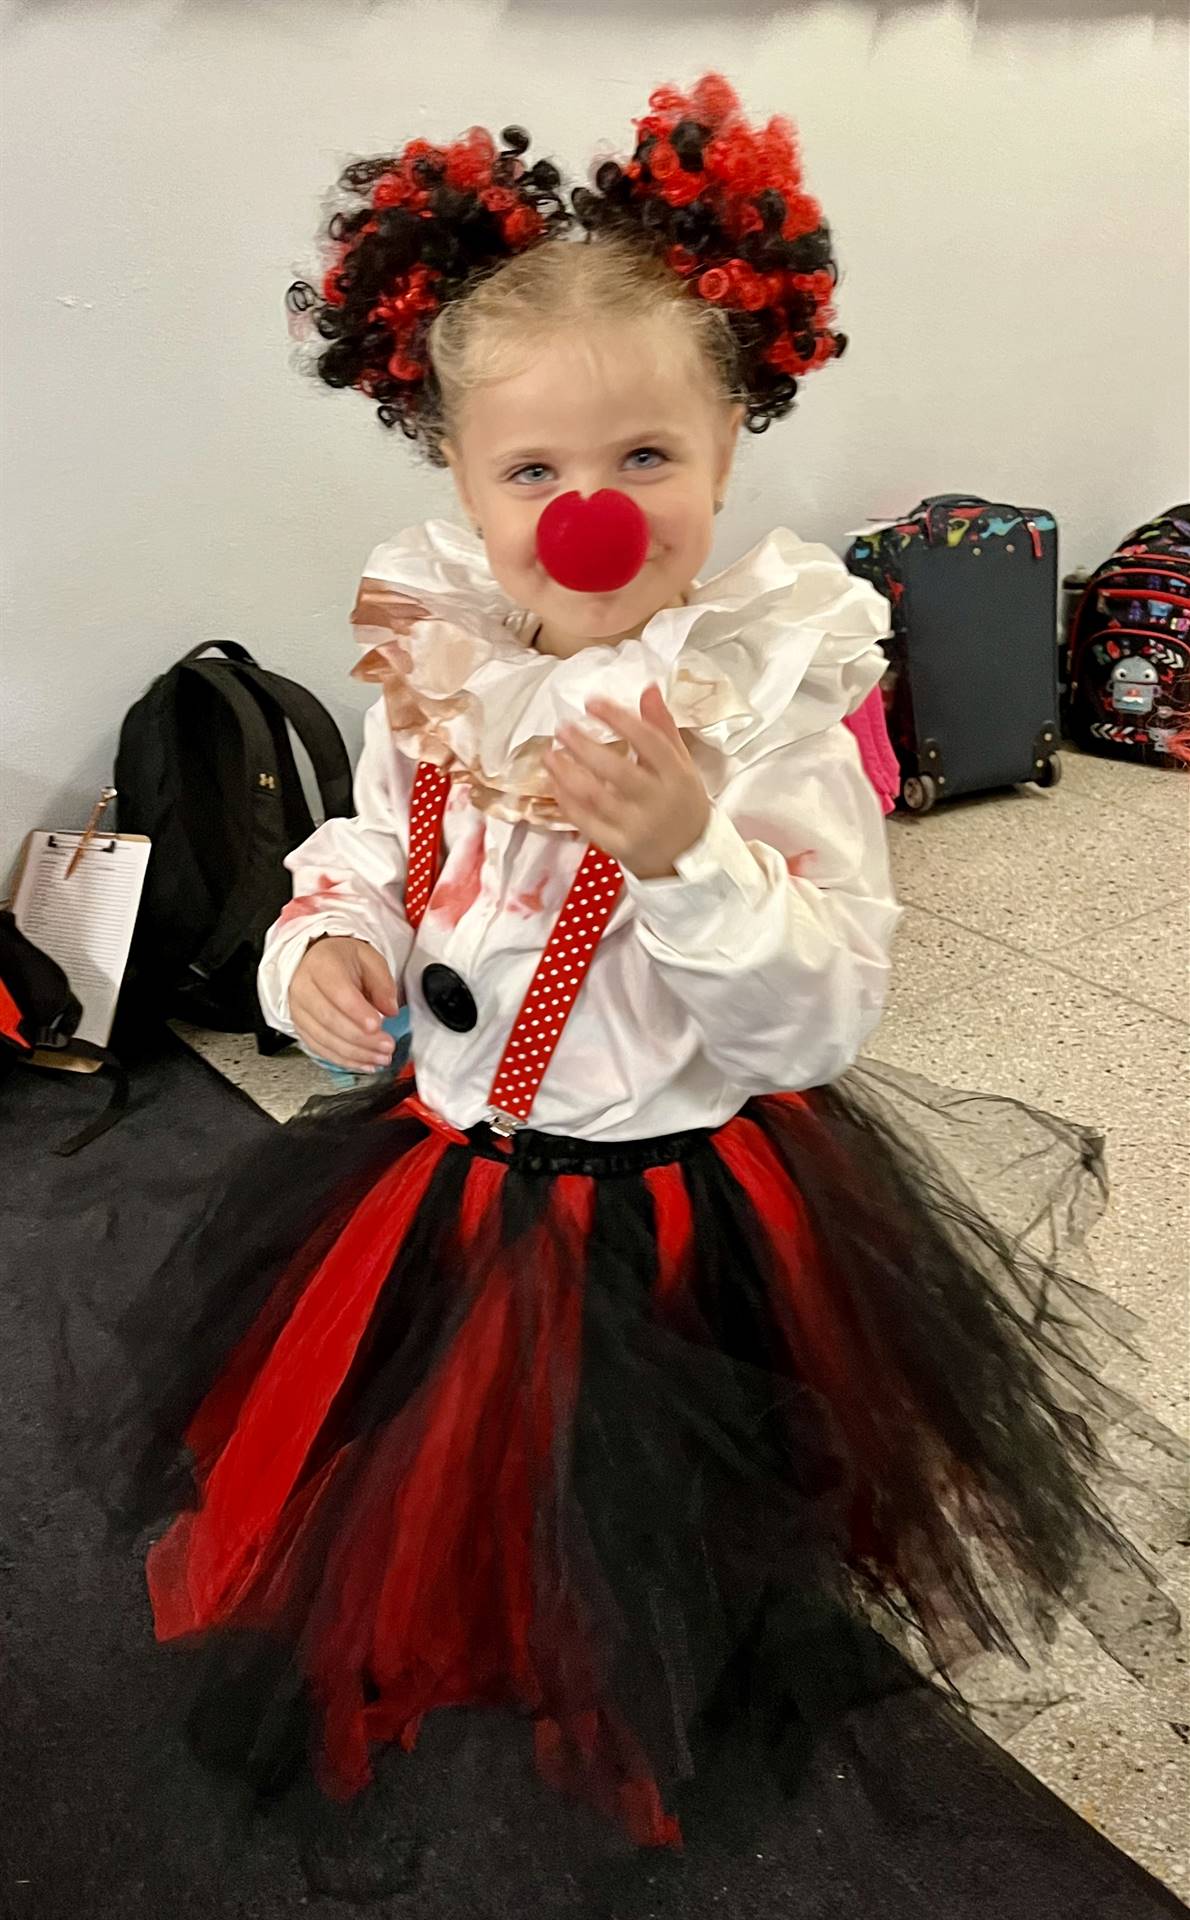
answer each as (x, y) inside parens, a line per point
(595, 545)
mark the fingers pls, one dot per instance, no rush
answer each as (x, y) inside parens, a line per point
(652, 744)
(331, 1037)
(377, 982)
(588, 802)
(331, 1010)
(608, 764)
(347, 1008)
(655, 713)
(340, 990)
(362, 1055)
(373, 1048)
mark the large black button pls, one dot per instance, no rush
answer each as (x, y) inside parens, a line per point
(449, 998)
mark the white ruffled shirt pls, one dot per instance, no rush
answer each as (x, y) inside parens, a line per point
(762, 965)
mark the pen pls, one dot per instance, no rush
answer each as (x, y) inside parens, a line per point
(106, 796)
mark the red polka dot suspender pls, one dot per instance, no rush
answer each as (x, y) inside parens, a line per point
(560, 974)
(427, 807)
(561, 970)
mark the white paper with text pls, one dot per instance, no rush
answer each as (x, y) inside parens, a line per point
(84, 923)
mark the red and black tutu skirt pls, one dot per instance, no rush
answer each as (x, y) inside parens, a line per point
(640, 1455)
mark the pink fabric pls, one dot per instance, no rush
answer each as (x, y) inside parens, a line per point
(868, 725)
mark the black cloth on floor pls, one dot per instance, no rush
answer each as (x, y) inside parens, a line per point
(905, 1810)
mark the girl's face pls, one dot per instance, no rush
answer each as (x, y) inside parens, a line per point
(632, 406)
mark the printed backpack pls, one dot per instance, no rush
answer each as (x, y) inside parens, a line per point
(1128, 671)
(206, 768)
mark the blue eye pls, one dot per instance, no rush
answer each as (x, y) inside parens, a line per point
(642, 459)
(533, 475)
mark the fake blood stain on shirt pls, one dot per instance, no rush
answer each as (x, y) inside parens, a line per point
(459, 887)
(531, 902)
(315, 902)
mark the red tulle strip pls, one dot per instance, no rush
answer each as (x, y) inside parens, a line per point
(435, 1582)
(826, 1340)
(673, 1218)
(215, 1420)
(595, 1757)
(206, 1563)
(451, 1585)
(868, 1400)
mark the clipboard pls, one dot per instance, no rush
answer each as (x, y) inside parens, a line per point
(84, 922)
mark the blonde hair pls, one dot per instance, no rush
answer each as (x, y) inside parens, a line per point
(491, 331)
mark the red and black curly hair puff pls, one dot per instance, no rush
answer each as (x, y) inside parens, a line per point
(721, 202)
(724, 204)
(418, 229)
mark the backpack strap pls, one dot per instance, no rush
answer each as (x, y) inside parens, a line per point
(117, 1098)
(265, 849)
(308, 717)
(230, 649)
(317, 732)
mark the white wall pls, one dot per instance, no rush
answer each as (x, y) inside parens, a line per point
(1008, 185)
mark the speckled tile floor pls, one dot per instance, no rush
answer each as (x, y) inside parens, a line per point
(1045, 954)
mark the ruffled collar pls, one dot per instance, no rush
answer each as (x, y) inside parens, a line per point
(778, 646)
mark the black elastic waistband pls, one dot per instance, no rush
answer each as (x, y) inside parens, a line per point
(555, 1153)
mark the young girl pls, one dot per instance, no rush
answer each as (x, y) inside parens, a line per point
(609, 1383)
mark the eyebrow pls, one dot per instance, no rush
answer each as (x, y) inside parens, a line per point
(529, 457)
(541, 455)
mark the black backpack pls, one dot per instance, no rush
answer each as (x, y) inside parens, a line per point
(206, 768)
(1128, 670)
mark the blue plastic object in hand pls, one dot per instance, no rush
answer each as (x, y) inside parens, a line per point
(398, 1027)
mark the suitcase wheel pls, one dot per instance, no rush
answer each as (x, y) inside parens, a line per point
(919, 791)
(1050, 772)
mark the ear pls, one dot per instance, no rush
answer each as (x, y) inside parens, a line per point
(733, 421)
(458, 474)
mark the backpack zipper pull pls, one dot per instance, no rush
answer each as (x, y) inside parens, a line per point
(1035, 537)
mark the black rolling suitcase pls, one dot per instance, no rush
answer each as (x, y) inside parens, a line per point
(972, 690)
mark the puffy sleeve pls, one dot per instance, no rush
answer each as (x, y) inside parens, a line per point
(349, 876)
(776, 932)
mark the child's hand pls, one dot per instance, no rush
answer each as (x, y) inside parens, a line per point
(340, 993)
(645, 808)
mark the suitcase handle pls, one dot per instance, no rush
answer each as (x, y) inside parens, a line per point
(934, 512)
